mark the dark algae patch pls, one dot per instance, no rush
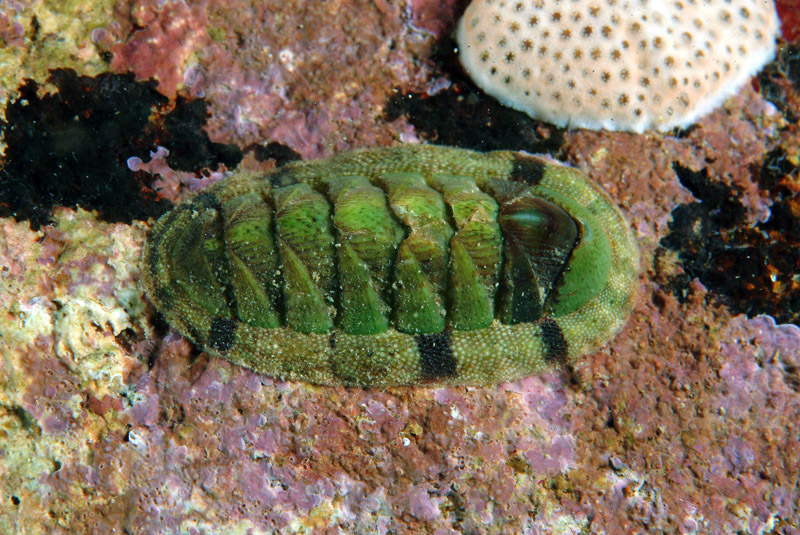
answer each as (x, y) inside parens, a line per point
(70, 147)
(755, 270)
(464, 116)
(779, 82)
(188, 144)
(280, 153)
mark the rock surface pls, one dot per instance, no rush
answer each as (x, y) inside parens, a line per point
(686, 423)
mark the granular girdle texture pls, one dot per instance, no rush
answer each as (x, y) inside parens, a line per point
(414, 264)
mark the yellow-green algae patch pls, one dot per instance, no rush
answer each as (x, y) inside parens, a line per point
(67, 292)
(71, 286)
(56, 34)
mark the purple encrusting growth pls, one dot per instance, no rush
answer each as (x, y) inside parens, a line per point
(767, 385)
(769, 378)
(275, 472)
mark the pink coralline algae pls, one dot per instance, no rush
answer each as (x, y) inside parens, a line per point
(279, 71)
(422, 505)
(769, 379)
(164, 36)
(434, 17)
(789, 12)
(11, 33)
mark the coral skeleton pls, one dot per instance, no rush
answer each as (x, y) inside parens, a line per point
(616, 65)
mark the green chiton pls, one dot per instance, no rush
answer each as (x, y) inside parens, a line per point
(397, 266)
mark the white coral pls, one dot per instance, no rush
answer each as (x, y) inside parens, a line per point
(616, 64)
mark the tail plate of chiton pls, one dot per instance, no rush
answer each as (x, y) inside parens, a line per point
(397, 266)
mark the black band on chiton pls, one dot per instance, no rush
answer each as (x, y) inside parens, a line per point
(527, 169)
(556, 346)
(282, 177)
(222, 334)
(435, 355)
(332, 340)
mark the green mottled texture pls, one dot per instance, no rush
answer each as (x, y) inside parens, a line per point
(368, 238)
(254, 259)
(363, 311)
(397, 266)
(302, 221)
(197, 258)
(476, 252)
(422, 259)
(589, 264)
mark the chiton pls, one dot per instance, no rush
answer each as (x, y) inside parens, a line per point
(396, 266)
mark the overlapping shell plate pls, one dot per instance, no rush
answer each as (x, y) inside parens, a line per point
(405, 265)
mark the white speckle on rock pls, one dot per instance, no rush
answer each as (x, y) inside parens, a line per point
(287, 58)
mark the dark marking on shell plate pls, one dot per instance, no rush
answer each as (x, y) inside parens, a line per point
(281, 178)
(193, 333)
(435, 356)
(538, 239)
(204, 200)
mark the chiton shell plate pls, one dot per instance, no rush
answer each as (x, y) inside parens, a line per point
(397, 266)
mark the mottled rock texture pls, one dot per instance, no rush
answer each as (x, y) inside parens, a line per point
(686, 423)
